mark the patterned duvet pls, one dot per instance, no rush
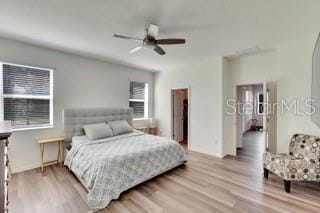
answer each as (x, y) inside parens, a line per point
(113, 165)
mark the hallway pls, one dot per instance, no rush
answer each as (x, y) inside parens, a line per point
(253, 146)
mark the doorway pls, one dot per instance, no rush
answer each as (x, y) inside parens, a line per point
(180, 116)
(251, 140)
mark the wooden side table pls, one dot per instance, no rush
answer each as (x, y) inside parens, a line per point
(153, 131)
(148, 130)
(58, 141)
(142, 129)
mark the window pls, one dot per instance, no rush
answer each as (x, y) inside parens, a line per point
(247, 96)
(260, 103)
(26, 96)
(138, 99)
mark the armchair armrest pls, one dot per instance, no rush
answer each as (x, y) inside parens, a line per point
(286, 166)
(276, 163)
(279, 158)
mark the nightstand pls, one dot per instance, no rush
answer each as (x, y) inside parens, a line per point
(152, 131)
(148, 130)
(43, 142)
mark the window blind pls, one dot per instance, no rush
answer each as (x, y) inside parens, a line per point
(137, 90)
(27, 98)
(25, 81)
(138, 99)
(138, 109)
(26, 112)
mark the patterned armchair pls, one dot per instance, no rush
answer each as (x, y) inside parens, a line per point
(302, 163)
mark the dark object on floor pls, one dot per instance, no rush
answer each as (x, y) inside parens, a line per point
(68, 147)
(254, 124)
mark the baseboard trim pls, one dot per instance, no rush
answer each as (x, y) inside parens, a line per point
(26, 168)
(207, 153)
(29, 167)
(38, 165)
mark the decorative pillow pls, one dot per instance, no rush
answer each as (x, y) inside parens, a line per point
(97, 131)
(120, 127)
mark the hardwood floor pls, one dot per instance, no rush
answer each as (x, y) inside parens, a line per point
(253, 146)
(204, 184)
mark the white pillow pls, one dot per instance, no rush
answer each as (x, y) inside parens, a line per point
(97, 131)
(120, 127)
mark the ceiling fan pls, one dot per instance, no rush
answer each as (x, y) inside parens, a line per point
(151, 41)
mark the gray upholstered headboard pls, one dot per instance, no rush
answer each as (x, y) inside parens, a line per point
(74, 119)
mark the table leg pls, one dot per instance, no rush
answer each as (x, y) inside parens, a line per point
(42, 154)
(59, 150)
(62, 153)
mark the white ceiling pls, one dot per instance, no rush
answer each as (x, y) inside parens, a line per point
(211, 27)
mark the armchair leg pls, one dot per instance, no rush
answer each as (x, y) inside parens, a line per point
(287, 186)
(265, 173)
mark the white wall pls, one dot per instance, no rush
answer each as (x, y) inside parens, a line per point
(244, 70)
(294, 64)
(290, 68)
(253, 69)
(78, 82)
(205, 81)
(287, 66)
(227, 134)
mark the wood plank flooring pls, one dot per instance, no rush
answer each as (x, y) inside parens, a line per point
(253, 146)
(205, 184)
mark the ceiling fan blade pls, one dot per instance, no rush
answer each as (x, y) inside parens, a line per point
(170, 41)
(153, 30)
(127, 37)
(135, 49)
(159, 50)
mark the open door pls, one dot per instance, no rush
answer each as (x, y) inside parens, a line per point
(177, 104)
(270, 116)
(240, 120)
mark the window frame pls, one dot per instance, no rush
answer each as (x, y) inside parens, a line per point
(260, 103)
(145, 100)
(40, 97)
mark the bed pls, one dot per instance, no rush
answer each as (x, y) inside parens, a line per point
(109, 166)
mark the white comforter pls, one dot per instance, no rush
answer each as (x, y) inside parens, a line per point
(112, 165)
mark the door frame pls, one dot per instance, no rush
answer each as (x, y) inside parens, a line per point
(188, 88)
(235, 89)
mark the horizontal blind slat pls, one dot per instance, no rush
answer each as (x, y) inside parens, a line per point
(25, 80)
(138, 109)
(26, 112)
(137, 92)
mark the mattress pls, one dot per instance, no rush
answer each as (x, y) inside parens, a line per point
(110, 166)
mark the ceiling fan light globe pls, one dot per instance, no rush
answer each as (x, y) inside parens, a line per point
(135, 49)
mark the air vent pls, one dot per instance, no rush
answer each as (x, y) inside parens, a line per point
(248, 51)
